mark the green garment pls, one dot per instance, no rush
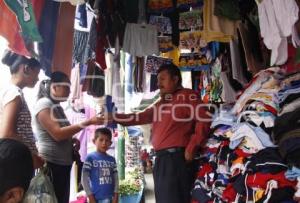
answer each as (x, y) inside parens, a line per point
(228, 9)
(25, 15)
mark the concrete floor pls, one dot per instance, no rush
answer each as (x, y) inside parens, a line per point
(149, 188)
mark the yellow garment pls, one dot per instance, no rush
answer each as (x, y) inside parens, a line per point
(259, 194)
(173, 54)
(217, 28)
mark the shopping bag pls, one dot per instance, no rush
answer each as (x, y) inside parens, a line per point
(40, 189)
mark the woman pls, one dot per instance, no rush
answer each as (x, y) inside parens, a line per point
(54, 132)
(15, 118)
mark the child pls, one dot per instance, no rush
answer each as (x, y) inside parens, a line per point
(16, 170)
(99, 174)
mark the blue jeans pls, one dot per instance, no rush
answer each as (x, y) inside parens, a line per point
(107, 200)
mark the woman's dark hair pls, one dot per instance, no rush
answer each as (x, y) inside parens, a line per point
(14, 60)
(44, 89)
(172, 70)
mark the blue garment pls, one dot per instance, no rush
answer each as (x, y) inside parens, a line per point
(215, 49)
(223, 118)
(128, 79)
(107, 200)
(81, 15)
(293, 173)
(110, 107)
(101, 168)
(47, 29)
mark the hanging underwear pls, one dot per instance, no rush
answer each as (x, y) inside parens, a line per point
(165, 43)
(154, 62)
(191, 40)
(192, 20)
(162, 23)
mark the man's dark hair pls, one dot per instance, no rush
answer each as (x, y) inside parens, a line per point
(102, 131)
(16, 165)
(172, 70)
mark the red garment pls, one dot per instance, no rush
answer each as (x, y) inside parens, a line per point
(241, 153)
(166, 132)
(10, 30)
(229, 193)
(271, 109)
(102, 43)
(144, 156)
(37, 6)
(260, 180)
(290, 66)
(205, 169)
(211, 150)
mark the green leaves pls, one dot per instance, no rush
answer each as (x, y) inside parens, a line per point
(132, 184)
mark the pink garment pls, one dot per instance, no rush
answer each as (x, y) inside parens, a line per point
(169, 129)
(81, 199)
(85, 135)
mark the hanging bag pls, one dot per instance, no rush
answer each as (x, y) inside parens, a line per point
(41, 189)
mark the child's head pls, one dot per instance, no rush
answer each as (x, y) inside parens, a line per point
(102, 139)
(16, 170)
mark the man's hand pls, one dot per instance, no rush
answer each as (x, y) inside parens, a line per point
(101, 119)
(188, 156)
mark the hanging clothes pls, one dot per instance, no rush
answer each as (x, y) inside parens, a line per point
(47, 29)
(140, 40)
(277, 20)
(10, 30)
(216, 28)
(83, 18)
(62, 57)
(138, 73)
(26, 19)
(192, 20)
(94, 83)
(250, 43)
(228, 93)
(75, 89)
(73, 2)
(237, 69)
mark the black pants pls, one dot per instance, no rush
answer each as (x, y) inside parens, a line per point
(172, 178)
(60, 178)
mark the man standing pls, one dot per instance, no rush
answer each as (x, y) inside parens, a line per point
(180, 125)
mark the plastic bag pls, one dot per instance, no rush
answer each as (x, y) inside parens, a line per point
(40, 190)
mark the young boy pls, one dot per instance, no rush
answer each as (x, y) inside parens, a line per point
(16, 170)
(99, 174)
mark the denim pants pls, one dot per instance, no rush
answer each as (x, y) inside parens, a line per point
(107, 200)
